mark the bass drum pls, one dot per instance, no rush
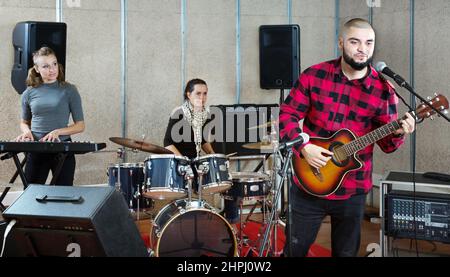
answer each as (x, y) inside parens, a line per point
(184, 229)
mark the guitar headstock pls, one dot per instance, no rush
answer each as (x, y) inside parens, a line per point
(439, 102)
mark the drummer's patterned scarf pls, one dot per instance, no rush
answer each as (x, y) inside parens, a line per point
(196, 120)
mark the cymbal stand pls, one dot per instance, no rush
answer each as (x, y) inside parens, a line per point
(254, 245)
(243, 224)
(271, 220)
(118, 181)
(241, 228)
(136, 196)
(251, 212)
(277, 159)
(119, 155)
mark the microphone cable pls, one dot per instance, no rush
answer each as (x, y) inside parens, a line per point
(414, 190)
(8, 229)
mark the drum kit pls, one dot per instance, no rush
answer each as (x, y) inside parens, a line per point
(188, 226)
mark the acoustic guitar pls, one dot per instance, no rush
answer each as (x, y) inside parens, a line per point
(344, 145)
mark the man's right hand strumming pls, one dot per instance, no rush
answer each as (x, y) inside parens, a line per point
(315, 155)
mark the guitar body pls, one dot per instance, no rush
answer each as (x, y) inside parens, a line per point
(327, 179)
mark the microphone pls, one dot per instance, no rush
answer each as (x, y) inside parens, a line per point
(301, 139)
(383, 68)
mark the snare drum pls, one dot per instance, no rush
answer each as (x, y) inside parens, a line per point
(186, 229)
(216, 179)
(249, 184)
(165, 176)
(128, 178)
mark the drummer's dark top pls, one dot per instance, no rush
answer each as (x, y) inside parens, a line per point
(180, 134)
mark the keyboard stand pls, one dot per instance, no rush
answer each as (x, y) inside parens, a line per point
(20, 164)
(16, 174)
(2, 207)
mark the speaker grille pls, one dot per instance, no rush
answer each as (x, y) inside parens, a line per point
(279, 56)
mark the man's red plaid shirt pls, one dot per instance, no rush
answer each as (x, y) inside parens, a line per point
(327, 101)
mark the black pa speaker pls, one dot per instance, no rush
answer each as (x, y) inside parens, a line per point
(28, 37)
(61, 221)
(279, 56)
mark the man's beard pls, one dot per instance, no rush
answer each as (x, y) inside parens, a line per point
(355, 65)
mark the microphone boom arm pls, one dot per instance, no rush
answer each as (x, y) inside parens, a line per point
(426, 102)
(381, 66)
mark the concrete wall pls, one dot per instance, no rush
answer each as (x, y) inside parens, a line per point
(391, 20)
(432, 71)
(155, 73)
(93, 64)
(12, 12)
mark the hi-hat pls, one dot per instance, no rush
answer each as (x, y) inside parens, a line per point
(263, 146)
(264, 125)
(140, 145)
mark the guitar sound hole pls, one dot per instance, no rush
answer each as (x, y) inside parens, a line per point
(334, 158)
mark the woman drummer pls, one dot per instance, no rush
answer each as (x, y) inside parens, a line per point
(184, 133)
(194, 113)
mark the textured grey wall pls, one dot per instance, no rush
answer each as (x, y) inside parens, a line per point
(155, 59)
(12, 12)
(432, 75)
(391, 21)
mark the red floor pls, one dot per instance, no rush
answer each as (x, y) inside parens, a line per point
(252, 237)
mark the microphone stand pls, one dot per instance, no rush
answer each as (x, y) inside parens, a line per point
(284, 172)
(411, 90)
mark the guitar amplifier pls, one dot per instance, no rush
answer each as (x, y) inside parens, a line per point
(73, 221)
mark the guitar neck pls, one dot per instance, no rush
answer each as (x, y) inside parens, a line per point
(372, 137)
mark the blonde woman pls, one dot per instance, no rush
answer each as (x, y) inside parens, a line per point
(47, 104)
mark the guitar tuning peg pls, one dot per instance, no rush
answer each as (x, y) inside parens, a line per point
(428, 98)
(435, 94)
(431, 117)
(445, 112)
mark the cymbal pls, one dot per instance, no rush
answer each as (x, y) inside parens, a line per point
(264, 125)
(140, 145)
(264, 145)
